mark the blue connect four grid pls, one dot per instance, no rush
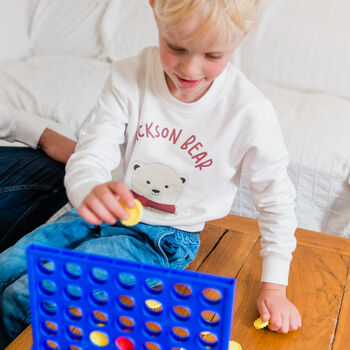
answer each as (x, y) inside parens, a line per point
(82, 301)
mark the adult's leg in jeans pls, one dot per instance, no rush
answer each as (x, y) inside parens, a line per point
(15, 311)
(31, 191)
(66, 232)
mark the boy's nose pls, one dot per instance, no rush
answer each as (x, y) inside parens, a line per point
(190, 68)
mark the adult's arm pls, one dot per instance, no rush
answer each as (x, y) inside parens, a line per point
(56, 146)
(20, 125)
(55, 139)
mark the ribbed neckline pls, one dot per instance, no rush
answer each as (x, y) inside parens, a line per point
(159, 82)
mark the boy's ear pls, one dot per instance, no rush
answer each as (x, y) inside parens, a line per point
(151, 2)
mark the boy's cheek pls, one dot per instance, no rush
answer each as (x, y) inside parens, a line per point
(216, 68)
(168, 60)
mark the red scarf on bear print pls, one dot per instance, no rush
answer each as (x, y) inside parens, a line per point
(168, 208)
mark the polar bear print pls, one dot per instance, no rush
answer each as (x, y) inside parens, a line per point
(157, 186)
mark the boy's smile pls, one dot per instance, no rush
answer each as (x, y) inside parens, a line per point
(189, 83)
(192, 62)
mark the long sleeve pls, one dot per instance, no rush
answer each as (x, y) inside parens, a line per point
(25, 127)
(98, 149)
(19, 125)
(274, 197)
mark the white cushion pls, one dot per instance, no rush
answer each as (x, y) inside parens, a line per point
(127, 27)
(61, 89)
(67, 27)
(316, 130)
(14, 29)
(300, 44)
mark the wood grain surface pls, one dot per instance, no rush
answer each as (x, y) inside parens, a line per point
(319, 286)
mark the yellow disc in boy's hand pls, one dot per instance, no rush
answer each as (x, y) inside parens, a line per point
(234, 346)
(259, 323)
(135, 213)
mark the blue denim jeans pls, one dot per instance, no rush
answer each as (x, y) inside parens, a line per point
(158, 245)
(31, 190)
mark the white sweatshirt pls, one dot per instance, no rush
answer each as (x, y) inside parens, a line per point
(19, 125)
(184, 160)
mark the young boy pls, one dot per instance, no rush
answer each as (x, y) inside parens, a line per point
(186, 123)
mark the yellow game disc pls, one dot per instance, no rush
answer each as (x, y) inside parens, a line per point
(259, 323)
(153, 304)
(234, 346)
(98, 338)
(135, 213)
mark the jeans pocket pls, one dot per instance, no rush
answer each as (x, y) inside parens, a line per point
(180, 248)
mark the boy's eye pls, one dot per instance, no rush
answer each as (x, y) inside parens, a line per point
(213, 57)
(176, 49)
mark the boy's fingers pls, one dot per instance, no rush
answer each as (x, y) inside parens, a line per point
(293, 323)
(285, 325)
(89, 216)
(112, 203)
(100, 211)
(263, 311)
(124, 193)
(275, 322)
(299, 319)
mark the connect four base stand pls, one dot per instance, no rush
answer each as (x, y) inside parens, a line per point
(82, 301)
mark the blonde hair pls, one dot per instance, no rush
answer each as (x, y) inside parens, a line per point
(231, 15)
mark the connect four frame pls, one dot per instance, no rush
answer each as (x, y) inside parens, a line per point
(83, 301)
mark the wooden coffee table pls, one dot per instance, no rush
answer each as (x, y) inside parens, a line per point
(319, 286)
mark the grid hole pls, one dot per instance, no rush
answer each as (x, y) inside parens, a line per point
(48, 287)
(210, 317)
(72, 270)
(50, 327)
(74, 313)
(47, 266)
(126, 323)
(212, 295)
(180, 333)
(126, 302)
(75, 332)
(152, 346)
(181, 312)
(73, 347)
(182, 290)
(154, 285)
(99, 275)
(73, 292)
(99, 318)
(153, 328)
(126, 280)
(208, 338)
(49, 307)
(50, 345)
(99, 296)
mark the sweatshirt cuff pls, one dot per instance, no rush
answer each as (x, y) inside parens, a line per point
(77, 194)
(275, 270)
(29, 128)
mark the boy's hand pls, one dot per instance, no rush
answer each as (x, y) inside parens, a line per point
(274, 306)
(102, 204)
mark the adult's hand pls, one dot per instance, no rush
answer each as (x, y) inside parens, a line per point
(56, 146)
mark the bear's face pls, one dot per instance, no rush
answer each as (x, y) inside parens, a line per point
(157, 182)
